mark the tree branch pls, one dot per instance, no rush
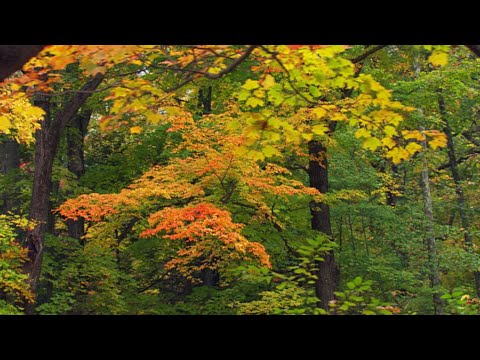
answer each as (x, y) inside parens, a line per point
(233, 65)
(13, 57)
(368, 53)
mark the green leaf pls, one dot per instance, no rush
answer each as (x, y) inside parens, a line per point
(314, 91)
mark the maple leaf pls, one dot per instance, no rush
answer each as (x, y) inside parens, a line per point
(371, 143)
(136, 130)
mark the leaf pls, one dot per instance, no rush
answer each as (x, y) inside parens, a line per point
(319, 129)
(136, 130)
(438, 141)
(388, 142)
(390, 130)
(398, 154)
(254, 102)
(251, 84)
(362, 133)
(357, 280)
(270, 151)
(320, 112)
(243, 95)
(5, 124)
(314, 91)
(413, 148)
(268, 82)
(438, 58)
(371, 144)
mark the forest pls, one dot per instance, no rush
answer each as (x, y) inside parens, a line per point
(239, 179)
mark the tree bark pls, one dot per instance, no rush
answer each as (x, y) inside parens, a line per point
(76, 132)
(431, 241)
(458, 184)
(13, 57)
(210, 277)
(47, 140)
(327, 280)
(391, 195)
(9, 161)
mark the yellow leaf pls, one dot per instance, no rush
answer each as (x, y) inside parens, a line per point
(254, 102)
(251, 85)
(390, 130)
(388, 142)
(438, 58)
(413, 147)
(320, 112)
(362, 133)
(438, 141)
(371, 143)
(319, 129)
(214, 70)
(259, 93)
(307, 137)
(398, 154)
(268, 82)
(5, 124)
(136, 130)
(413, 134)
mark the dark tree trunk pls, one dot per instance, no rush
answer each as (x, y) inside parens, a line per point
(318, 174)
(47, 140)
(76, 132)
(42, 185)
(13, 57)
(210, 277)
(9, 161)
(205, 100)
(392, 196)
(458, 184)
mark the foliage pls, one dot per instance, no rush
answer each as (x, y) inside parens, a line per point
(14, 290)
(196, 182)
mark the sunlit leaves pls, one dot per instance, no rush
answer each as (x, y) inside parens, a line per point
(211, 239)
(19, 118)
(371, 143)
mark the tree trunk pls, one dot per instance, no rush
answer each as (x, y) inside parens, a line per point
(76, 133)
(392, 196)
(9, 161)
(210, 277)
(205, 100)
(458, 185)
(431, 241)
(327, 270)
(42, 184)
(47, 140)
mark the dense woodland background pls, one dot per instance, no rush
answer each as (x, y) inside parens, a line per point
(246, 179)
